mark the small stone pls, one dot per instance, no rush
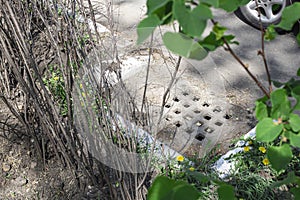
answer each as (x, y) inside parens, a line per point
(20, 181)
(33, 165)
(6, 167)
(156, 56)
(2, 182)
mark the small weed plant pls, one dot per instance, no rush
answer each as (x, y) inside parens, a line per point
(55, 84)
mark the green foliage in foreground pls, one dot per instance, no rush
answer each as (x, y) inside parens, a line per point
(193, 20)
(279, 127)
(164, 188)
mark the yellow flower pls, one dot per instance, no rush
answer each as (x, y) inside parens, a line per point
(266, 161)
(80, 86)
(250, 142)
(83, 94)
(246, 148)
(56, 78)
(180, 158)
(192, 169)
(262, 149)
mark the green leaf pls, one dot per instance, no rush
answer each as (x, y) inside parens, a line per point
(219, 31)
(184, 191)
(261, 110)
(231, 5)
(192, 22)
(229, 39)
(146, 27)
(289, 17)
(164, 188)
(296, 94)
(294, 139)
(298, 38)
(214, 3)
(267, 130)
(298, 72)
(295, 122)
(296, 192)
(280, 104)
(184, 46)
(202, 11)
(263, 99)
(291, 178)
(165, 13)
(200, 177)
(154, 5)
(226, 192)
(290, 85)
(161, 188)
(270, 33)
(279, 157)
(278, 84)
(210, 42)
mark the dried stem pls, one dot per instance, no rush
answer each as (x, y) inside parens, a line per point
(166, 93)
(245, 66)
(147, 74)
(262, 51)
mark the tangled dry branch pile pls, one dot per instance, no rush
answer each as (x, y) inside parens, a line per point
(43, 47)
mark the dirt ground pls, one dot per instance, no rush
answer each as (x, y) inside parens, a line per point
(23, 177)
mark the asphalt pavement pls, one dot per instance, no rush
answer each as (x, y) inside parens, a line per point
(211, 101)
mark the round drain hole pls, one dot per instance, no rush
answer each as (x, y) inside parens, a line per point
(177, 112)
(185, 93)
(199, 123)
(197, 111)
(219, 123)
(189, 130)
(227, 116)
(217, 109)
(178, 124)
(168, 106)
(186, 105)
(176, 99)
(196, 99)
(207, 117)
(205, 104)
(168, 118)
(188, 117)
(209, 130)
(200, 137)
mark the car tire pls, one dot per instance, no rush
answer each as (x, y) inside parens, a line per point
(250, 15)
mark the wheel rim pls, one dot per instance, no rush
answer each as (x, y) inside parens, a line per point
(270, 10)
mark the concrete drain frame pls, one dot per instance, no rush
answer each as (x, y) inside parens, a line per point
(194, 119)
(190, 117)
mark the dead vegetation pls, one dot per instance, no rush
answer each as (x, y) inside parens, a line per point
(43, 47)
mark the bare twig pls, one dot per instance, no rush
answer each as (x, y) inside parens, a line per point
(166, 93)
(147, 74)
(262, 51)
(245, 66)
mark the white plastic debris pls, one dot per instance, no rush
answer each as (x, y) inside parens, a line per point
(225, 165)
(100, 28)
